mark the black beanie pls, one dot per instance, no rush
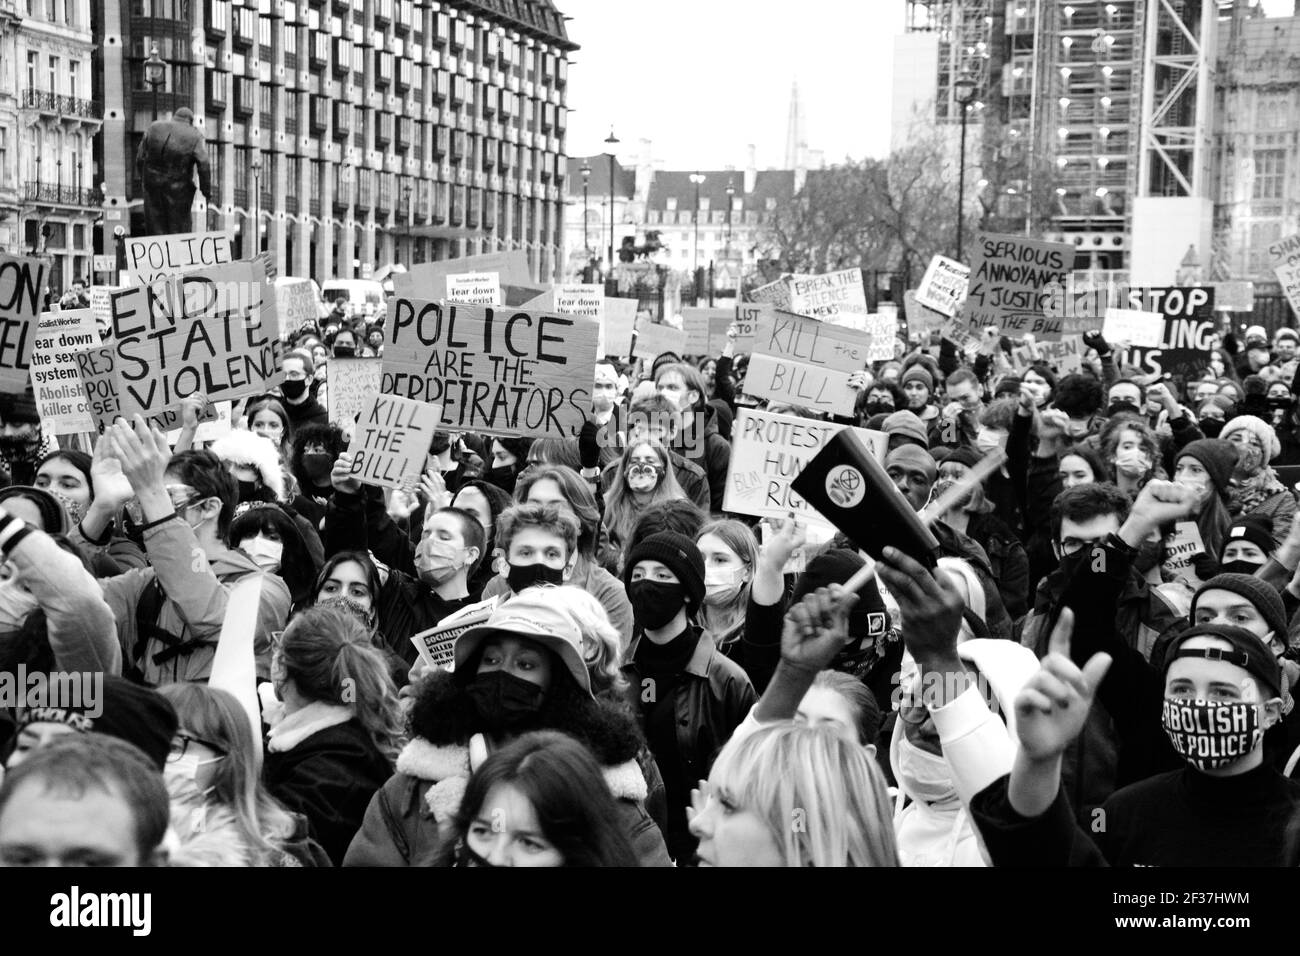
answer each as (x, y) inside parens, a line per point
(869, 616)
(1259, 593)
(1217, 457)
(19, 408)
(680, 555)
(138, 715)
(1254, 528)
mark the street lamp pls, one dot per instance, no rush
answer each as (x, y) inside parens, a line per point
(611, 141)
(697, 179)
(155, 69)
(586, 181)
(257, 203)
(963, 91)
(731, 192)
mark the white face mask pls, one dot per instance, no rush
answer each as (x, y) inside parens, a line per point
(924, 775)
(1133, 461)
(16, 603)
(722, 584)
(266, 554)
(986, 440)
(187, 768)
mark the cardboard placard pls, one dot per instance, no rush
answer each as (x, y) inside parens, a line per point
(620, 321)
(214, 331)
(827, 296)
(436, 645)
(944, 285)
(922, 320)
(492, 371)
(883, 330)
(1009, 284)
(474, 288)
(748, 315)
(1066, 355)
(1143, 329)
(60, 398)
(349, 384)
(800, 361)
(1285, 256)
(1189, 327)
(428, 280)
(654, 339)
(768, 451)
(1234, 296)
(706, 330)
(775, 294)
(150, 258)
(297, 305)
(392, 440)
(22, 285)
(1181, 546)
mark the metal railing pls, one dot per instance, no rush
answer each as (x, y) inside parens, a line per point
(62, 105)
(61, 195)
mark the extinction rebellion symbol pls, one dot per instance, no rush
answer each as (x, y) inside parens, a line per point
(845, 486)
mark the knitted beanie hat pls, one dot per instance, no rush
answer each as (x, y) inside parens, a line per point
(1260, 429)
(918, 373)
(1216, 456)
(908, 424)
(869, 617)
(1254, 528)
(1262, 595)
(138, 715)
(679, 554)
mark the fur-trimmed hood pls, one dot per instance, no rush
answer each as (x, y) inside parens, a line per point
(241, 447)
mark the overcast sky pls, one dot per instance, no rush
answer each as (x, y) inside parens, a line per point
(702, 78)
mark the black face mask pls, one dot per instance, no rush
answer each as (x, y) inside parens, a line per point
(504, 478)
(1211, 427)
(293, 389)
(878, 408)
(344, 351)
(318, 466)
(1115, 408)
(529, 575)
(504, 701)
(655, 603)
(1239, 567)
(1071, 563)
(1280, 402)
(17, 448)
(249, 491)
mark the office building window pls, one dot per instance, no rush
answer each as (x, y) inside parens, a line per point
(1270, 173)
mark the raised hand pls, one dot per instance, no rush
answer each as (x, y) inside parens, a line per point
(1053, 706)
(1159, 503)
(433, 488)
(780, 547)
(930, 605)
(142, 453)
(192, 409)
(112, 489)
(341, 475)
(817, 628)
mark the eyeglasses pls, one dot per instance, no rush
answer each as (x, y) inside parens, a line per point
(181, 744)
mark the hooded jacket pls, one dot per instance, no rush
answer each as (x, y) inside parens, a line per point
(978, 748)
(404, 823)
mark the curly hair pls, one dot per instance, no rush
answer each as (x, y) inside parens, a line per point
(1079, 395)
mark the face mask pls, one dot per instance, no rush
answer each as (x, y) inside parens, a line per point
(1071, 563)
(722, 585)
(878, 408)
(1240, 567)
(987, 440)
(1211, 734)
(1211, 427)
(187, 768)
(344, 351)
(642, 479)
(318, 466)
(74, 510)
(1279, 403)
(293, 389)
(924, 775)
(655, 603)
(349, 606)
(16, 603)
(504, 478)
(1198, 485)
(1115, 408)
(1133, 462)
(523, 576)
(249, 491)
(266, 554)
(503, 700)
(1249, 459)
(437, 561)
(16, 448)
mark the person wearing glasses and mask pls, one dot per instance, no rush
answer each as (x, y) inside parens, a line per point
(169, 615)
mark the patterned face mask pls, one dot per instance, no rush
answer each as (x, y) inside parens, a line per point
(1211, 734)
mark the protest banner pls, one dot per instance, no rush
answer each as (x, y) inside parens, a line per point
(883, 330)
(579, 298)
(620, 320)
(474, 288)
(150, 258)
(428, 280)
(768, 451)
(1181, 546)
(22, 284)
(943, 287)
(60, 399)
(1189, 327)
(1285, 255)
(706, 330)
(392, 440)
(349, 384)
(1065, 356)
(748, 315)
(800, 361)
(436, 645)
(296, 304)
(99, 306)
(827, 296)
(775, 294)
(1234, 296)
(654, 339)
(1009, 280)
(214, 331)
(492, 371)
(1143, 329)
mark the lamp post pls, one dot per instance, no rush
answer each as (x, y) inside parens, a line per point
(155, 69)
(257, 204)
(586, 181)
(58, 179)
(963, 92)
(611, 141)
(697, 179)
(731, 192)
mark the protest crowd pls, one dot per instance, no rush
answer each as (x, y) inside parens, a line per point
(487, 578)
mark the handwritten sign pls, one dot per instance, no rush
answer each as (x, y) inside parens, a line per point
(1065, 356)
(1189, 327)
(492, 371)
(429, 280)
(653, 340)
(1181, 547)
(214, 332)
(22, 284)
(60, 398)
(1133, 326)
(768, 451)
(775, 294)
(883, 329)
(800, 361)
(297, 305)
(748, 315)
(706, 330)
(392, 440)
(944, 285)
(349, 384)
(826, 296)
(1009, 280)
(475, 288)
(151, 258)
(1285, 254)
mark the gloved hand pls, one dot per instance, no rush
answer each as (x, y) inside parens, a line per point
(588, 446)
(1093, 340)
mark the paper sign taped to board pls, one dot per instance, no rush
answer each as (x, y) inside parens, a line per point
(654, 339)
(150, 258)
(1137, 328)
(436, 646)
(492, 371)
(349, 384)
(22, 286)
(944, 285)
(829, 295)
(475, 288)
(391, 440)
(428, 280)
(1011, 284)
(60, 398)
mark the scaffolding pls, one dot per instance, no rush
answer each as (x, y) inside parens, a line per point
(965, 46)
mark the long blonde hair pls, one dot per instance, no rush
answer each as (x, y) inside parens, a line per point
(822, 797)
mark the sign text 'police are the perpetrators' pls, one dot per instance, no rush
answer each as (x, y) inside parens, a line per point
(493, 371)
